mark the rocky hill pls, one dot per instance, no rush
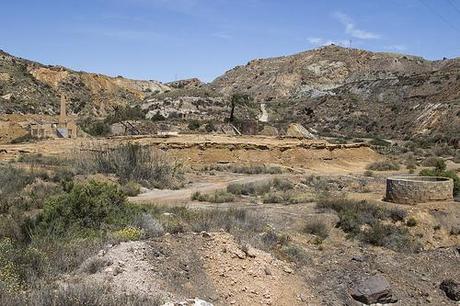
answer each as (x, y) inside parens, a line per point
(354, 92)
(333, 90)
(30, 87)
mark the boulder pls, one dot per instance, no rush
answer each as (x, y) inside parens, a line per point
(371, 290)
(299, 131)
(452, 289)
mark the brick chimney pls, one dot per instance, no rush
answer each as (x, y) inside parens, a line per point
(63, 114)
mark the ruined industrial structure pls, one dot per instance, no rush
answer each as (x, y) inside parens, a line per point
(66, 127)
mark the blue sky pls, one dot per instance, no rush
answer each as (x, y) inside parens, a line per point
(174, 39)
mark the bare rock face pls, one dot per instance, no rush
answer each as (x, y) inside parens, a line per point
(30, 87)
(374, 289)
(351, 91)
(297, 130)
(452, 289)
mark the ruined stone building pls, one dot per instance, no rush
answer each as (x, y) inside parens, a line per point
(65, 127)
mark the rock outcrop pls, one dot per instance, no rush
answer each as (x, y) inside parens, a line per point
(33, 88)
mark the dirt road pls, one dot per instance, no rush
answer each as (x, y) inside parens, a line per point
(158, 196)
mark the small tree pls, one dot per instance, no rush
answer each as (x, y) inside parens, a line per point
(238, 100)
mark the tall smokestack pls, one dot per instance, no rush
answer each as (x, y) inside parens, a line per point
(63, 115)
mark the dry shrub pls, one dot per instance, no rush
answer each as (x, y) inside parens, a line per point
(355, 214)
(133, 162)
(150, 226)
(383, 166)
(317, 228)
(89, 294)
(246, 169)
(220, 196)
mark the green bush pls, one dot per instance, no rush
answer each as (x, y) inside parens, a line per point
(296, 254)
(12, 182)
(444, 173)
(411, 162)
(41, 159)
(456, 158)
(220, 196)
(354, 215)
(254, 188)
(411, 222)
(124, 113)
(96, 128)
(282, 184)
(19, 265)
(210, 127)
(23, 139)
(158, 117)
(246, 169)
(433, 162)
(368, 173)
(90, 294)
(383, 166)
(194, 125)
(88, 205)
(131, 189)
(390, 236)
(274, 198)
(128, 233)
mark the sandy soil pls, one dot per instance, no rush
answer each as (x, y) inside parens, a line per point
(205, 149)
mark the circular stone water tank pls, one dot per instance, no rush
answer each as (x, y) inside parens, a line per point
(419, 189)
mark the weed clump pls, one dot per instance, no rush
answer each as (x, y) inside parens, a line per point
(129, 233)
(220, 196)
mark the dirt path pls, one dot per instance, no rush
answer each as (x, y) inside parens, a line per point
(183, 195)
(264, 116)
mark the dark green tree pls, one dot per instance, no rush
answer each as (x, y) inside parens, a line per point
(238, 100)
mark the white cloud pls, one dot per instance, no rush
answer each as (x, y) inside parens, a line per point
(352, 30)
(318, 42)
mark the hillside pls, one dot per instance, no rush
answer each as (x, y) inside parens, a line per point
(334, 90)
(30, 87)
(351, 91)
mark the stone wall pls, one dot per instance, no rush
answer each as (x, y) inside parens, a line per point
(419, 189)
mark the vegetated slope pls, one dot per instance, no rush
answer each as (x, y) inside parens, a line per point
(354, 92)
(30, 87)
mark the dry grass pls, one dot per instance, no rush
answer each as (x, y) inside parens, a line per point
(384, 166)
(132, 162)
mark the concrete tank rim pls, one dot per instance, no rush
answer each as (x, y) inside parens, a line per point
(421, 179)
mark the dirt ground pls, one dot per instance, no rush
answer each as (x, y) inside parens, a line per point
(215, 266)
(212, 267)
(206, 149)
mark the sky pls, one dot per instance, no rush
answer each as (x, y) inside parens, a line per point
(167, 40)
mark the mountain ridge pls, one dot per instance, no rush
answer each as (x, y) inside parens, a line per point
(331, 89)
